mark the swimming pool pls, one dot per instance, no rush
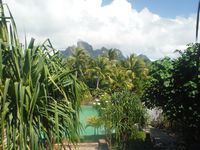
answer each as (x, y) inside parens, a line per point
(86, 112)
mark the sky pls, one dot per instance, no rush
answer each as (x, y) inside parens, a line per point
(165, 8)
(155, 28)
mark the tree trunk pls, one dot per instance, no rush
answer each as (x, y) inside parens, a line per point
(97, 85)
(1, 8)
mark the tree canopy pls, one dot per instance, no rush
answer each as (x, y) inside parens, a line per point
(175, 87)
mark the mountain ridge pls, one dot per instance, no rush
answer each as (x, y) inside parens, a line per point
(97, 52)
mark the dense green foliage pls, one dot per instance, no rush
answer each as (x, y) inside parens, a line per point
(40, 92)
(116, 85)
(158, 86)
(175, 87)
(107, 73)
(39, 96)
(123, 113)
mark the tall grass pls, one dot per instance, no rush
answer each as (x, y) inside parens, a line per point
(39, 96)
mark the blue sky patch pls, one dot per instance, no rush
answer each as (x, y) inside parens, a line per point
(167, 8)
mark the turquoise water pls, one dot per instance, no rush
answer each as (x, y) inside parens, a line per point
(86, 112)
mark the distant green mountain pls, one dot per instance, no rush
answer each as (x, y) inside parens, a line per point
(144, 58)
(93, 53)
(103, 51)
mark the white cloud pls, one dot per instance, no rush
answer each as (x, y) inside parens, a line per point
(115, 25)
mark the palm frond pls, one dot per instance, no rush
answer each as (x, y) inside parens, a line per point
(39, 96)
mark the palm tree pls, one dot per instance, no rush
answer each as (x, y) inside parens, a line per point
(99, 70)
(112, 54)
(79, 61)
(140, 70)
(121, 79)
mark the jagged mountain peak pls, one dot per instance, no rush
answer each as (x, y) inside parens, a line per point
(97, 52)
(93, 53)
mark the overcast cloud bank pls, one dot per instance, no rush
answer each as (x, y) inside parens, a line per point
(117, 25)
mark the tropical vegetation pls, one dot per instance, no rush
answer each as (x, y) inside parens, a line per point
(123, 114)
(39, 95)
(41, 92)
(116, 87)
(174, 87)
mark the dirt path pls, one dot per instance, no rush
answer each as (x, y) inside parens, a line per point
(162, 140)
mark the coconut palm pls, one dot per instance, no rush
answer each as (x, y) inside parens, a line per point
(79, 60)
(121, 79)
(100, 70)
(129, 62)
(139, 68)
(112, 54)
